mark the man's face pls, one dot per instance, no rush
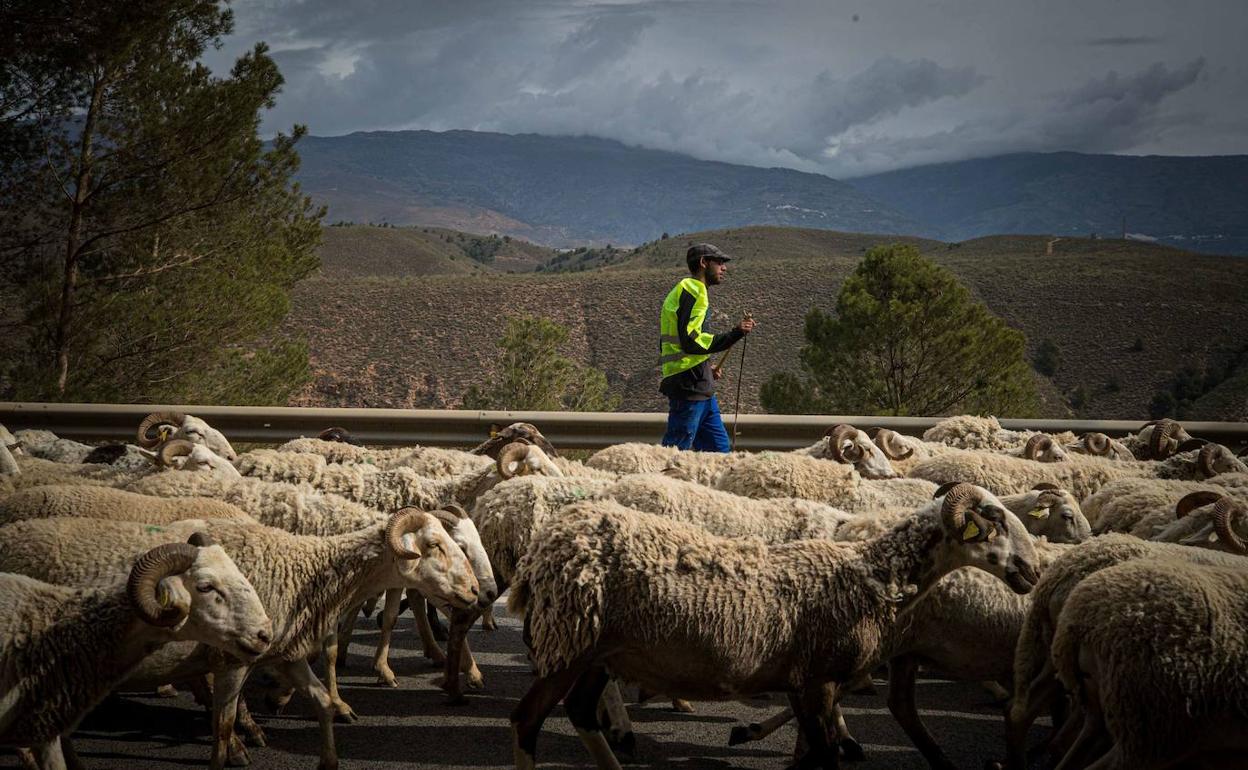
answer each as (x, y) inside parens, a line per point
(715, 271)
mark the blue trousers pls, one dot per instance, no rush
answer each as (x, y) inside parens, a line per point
(696, 425)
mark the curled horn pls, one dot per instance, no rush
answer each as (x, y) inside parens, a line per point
(943, 489)
(1097, 444)
(1224, 512)
(401, 523)
(1036, 444)
(1163, 432)
(456, 509)
(1045, 486)
(340, 435)
(887, 441)
(1208, 454)
(154, 420)
(835, 435)
(1190, 444)
(960, 503)
(179, 447)
(515, 452)
(1195, 500)
(151, 568)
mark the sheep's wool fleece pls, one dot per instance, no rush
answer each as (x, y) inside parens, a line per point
(774, 474)
(37, 472)
(1080, 475)
(967, 431)
(507, 515)
(108, 503)
(296, 508)
(1161, 630)
(582, 471)
(1137, 506)
(633, 457)
(701, 467)
(602, 569)
(774, 520)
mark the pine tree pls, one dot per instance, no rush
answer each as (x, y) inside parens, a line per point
(907, 339)
(154, 237)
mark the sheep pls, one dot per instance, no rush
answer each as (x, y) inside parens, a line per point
(1082, 475)
(425, 461)
(395, 488)
(1102, 446)
(306, 583)
(9, 446)
(1035, 686)
(633, 457)
(771, 474)
(1051, 513)
(973, 432)
(1154, 651)
(517, 431)
(686, 613)
(1208, 520)
(65, 648)
(96, 502)
(174, 454)
(1143, 507)
(159, 427)
(1157, 440)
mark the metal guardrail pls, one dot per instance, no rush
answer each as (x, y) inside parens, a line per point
(462, 428)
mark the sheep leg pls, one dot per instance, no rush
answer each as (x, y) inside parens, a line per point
(227, 683)
(306, 682)
(457, 649)
(1024, 710)
(581, 704)
(613, 714)
(247, 726)
(812, 705)
(531, 712)
(381, 658)
(342, 711)
(346, 628)
(848, 744)
(432, 651)
(902, 671)
(435, 623)
(48, 755)
(756, 731)
(487, 620)
(26, 758)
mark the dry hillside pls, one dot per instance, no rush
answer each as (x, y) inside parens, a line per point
(413, 331)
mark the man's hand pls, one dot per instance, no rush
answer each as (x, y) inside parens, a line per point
(747, 325)
(717, 371)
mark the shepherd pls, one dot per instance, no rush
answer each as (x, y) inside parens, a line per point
(693, 419)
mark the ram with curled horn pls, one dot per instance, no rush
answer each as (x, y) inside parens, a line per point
(517, 431)
(891, 444)
(1041, 447)
(158, 427)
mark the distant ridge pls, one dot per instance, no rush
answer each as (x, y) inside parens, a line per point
(568, 191)
(1197, 203)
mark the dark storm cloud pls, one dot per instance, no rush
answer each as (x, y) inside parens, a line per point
(796, 83)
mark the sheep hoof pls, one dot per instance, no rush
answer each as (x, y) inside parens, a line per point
(343, 714)
(166, 691)
(488, 624)
(742, 734)
(682, 706)
(387, 680)
(852, 750)
(328, 764)
(476, 681)
(237, 755)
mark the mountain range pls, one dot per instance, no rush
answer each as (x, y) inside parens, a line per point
(574, 191)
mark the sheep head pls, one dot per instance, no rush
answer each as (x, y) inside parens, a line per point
(200, 594)
(520, 458)
(848, 445)
(339, 435)
(989, 536)
(1042, 448)
(517, 431)
(891, 444)
(1214, 459)
(183, 455)
(1164, 438)
(160, 427)
(463, 531)
(429, 560)
(157, 428)
(1052, 512)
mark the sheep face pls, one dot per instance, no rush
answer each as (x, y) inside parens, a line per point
(220, 604)
(464, 532)
(197, 431)
(984, 534)
(1056, 515)
(204, 460)
(1043, 449)
(1215, 459)
(428, 560)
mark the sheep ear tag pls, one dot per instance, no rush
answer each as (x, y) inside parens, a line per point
(970, 533)
(1039, 513)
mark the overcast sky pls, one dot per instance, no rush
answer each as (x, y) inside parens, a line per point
(842, 88)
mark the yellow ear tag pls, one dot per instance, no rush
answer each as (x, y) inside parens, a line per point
(493, 433)
(971, 532)
(165, 432)
(1039, 513)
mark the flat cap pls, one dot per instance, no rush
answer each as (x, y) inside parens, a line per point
(699, 250)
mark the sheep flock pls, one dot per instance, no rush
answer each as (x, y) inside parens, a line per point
(1098, 582)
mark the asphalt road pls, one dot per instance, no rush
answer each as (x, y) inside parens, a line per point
(413, 726)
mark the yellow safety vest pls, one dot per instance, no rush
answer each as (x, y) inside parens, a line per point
(671, 357)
